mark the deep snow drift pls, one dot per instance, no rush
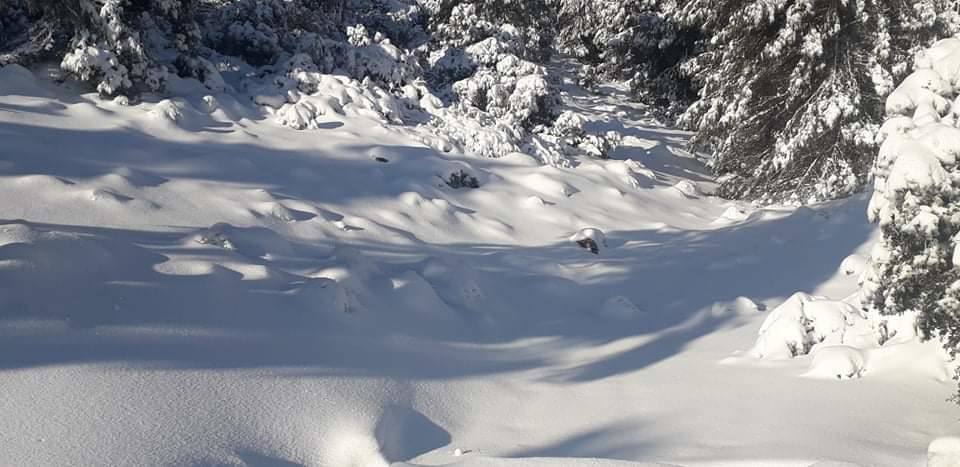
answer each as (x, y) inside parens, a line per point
(194, 281)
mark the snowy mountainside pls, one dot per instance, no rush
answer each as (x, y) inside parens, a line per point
(194, 281)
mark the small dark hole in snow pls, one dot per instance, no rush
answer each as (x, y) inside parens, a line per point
(381, 159)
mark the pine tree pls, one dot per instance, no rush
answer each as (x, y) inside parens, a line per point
(526, 25)
(791, 91)
(915, 266)
(489, 57)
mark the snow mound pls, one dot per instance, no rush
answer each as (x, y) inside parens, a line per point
(688, 188)
(354, 450)
(837, 361)
(403, 433)
(944, 452)
(803, 321)
(549, 185)
(456, 283)
(304, 97)
(591, 239)
(306, 113)
(854, 265)
(741, 306)
(733, 214)
(180, 113)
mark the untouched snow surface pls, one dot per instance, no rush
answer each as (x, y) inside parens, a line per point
(189, 282)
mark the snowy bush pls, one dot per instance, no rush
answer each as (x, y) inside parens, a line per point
(331, 33)
(916, 201)
(461, 179)
(568, 134)
(804, 321)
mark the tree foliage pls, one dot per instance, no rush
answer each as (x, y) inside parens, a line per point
(791, 90)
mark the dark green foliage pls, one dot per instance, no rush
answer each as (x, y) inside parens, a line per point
(461, 179)
(791, 93)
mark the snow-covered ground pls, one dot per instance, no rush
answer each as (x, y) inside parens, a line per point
(191, 283)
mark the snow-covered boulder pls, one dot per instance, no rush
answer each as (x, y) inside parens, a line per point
(590, 238)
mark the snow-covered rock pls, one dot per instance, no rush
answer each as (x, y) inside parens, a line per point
(590, 238)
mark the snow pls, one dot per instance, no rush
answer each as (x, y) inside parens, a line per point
(944, 452)
(837, 361)
(193, 281)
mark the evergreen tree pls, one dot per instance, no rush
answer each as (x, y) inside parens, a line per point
(526, 25)
(114, 44)
(489, 57)
(791, 90)
(915, 266)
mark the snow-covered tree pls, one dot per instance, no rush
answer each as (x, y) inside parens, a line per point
(916, 264)
(526, 25)
(791, 91)
(635, 40)
(114, 44)
(488, 59)
(363, 38)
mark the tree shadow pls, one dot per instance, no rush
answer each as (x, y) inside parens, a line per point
(624, 440)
